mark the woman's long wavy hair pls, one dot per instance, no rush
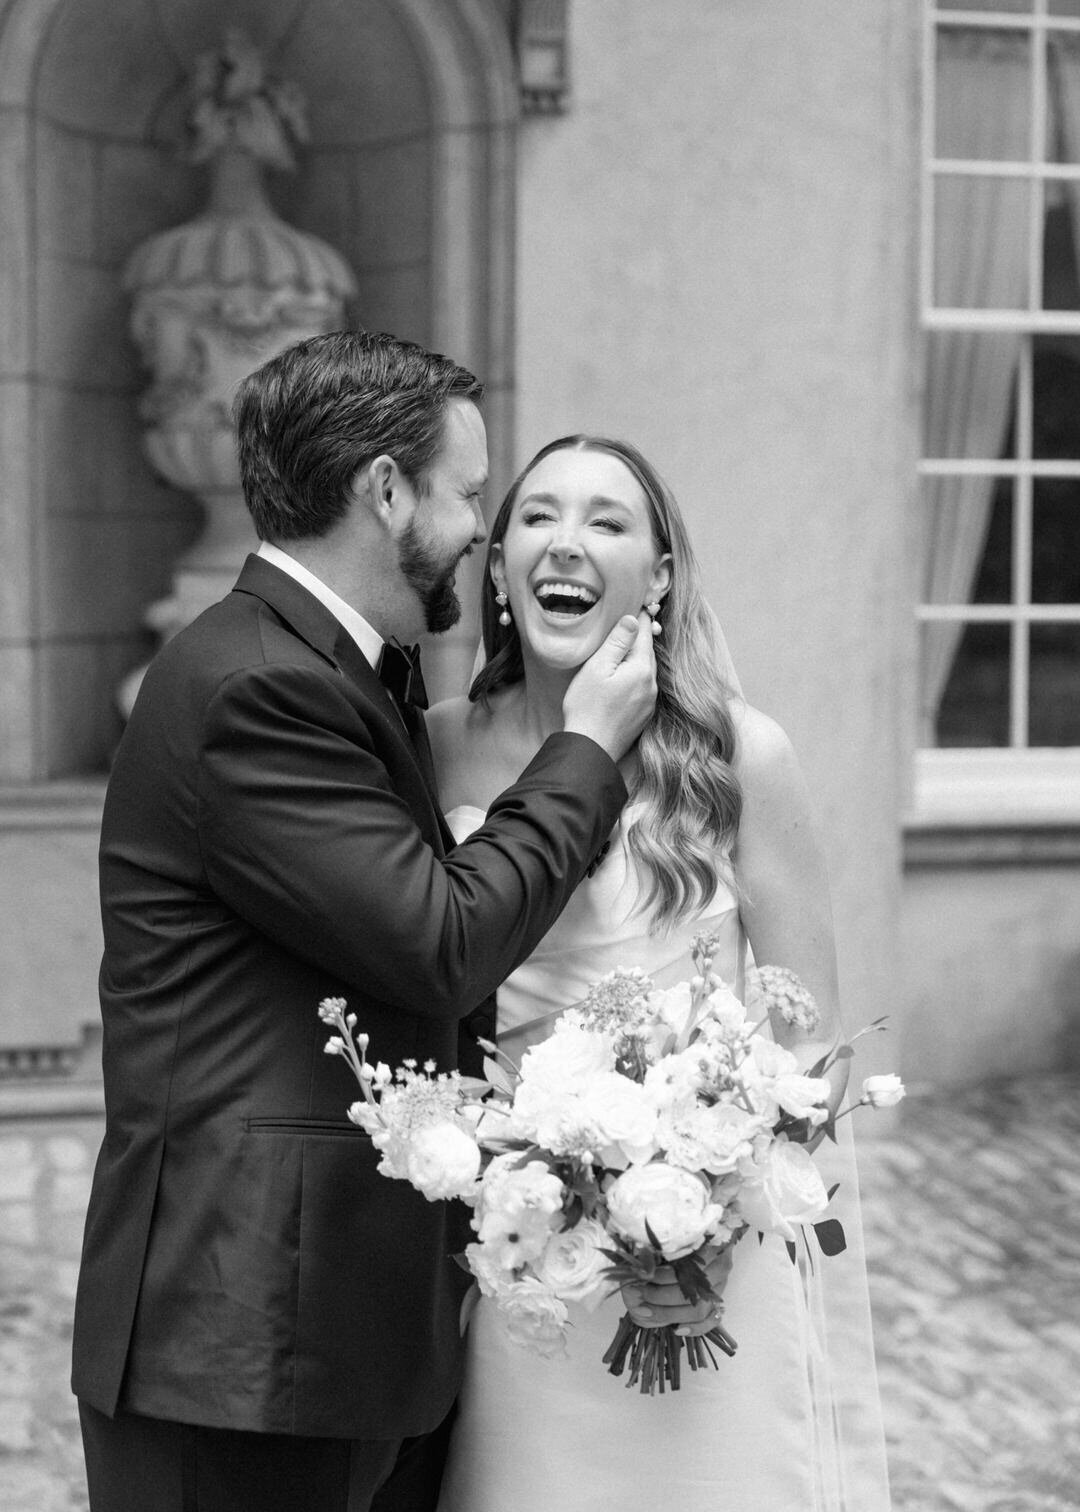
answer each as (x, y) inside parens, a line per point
(685, 833)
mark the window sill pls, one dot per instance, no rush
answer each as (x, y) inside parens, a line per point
(994, 808)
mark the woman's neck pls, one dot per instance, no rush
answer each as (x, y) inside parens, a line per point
(537, 708)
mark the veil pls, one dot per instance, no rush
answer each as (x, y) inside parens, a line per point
(851, 1463)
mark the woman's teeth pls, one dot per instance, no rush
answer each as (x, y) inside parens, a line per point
(566, 598)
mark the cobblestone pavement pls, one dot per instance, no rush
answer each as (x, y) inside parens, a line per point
(972, 1209)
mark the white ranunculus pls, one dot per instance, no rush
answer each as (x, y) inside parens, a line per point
(620, 1117)
(883, 1091)
(674, 1203)
(572, 1264)
(534, 1316)
(786, 1189)
(442, 1161)
(710, 1139)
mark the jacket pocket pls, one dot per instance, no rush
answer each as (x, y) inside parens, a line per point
(319, 1127)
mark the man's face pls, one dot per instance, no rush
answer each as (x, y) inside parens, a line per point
(447, 522)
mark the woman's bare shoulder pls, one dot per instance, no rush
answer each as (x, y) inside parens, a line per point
(465, 748)
(765, 758)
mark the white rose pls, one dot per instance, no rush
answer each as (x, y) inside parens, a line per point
(765, 1063)
(534, 1316)
(442, 1161)
(785, 1189)
(673, 1202)
(572, 1265)
(621, 1118)
(883, 1091)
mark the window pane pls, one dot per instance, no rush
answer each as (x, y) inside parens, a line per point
(1055, 685)
(975, 708)
(969, 395)
(981, 212)
(1060, 288)
(969, 545)
(1055, 547)
(983, 94)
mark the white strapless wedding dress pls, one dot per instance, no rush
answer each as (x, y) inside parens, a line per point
(790, 1424)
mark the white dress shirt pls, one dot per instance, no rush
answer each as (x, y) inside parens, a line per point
(369, 640)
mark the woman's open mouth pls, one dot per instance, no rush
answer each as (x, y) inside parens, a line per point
(565, 600)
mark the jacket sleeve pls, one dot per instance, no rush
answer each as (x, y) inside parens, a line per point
(303, 835)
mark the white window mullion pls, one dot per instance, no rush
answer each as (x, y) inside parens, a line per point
(1020, 638)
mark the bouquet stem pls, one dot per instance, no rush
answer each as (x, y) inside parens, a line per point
(654, 1355)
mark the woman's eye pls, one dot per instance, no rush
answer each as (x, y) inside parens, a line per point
(615, 526)
(536, 517)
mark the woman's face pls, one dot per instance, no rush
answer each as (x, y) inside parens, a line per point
(577, 555)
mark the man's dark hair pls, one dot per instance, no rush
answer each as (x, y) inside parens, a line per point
(309, 419)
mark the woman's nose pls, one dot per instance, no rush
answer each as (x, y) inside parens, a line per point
(565, 542)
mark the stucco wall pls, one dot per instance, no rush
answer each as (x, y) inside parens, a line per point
(715, 259)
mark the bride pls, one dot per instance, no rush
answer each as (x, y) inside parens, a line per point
(717, 836)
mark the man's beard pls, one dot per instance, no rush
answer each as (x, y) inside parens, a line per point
(431, 577)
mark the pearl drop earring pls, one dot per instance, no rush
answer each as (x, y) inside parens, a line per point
(652, 610)
(500, 599)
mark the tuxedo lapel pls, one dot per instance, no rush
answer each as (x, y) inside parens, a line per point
(314, 623)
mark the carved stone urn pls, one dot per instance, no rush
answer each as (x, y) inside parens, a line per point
(211, 301)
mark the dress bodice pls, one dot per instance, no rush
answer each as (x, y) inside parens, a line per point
(605, 925)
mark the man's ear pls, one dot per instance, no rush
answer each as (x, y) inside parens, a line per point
(379, 486)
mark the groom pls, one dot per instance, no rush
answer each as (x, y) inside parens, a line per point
(262, 1322)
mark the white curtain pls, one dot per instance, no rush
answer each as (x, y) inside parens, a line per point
(983, 111)
(1065, 95)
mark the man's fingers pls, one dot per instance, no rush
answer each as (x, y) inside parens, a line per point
(621, 640)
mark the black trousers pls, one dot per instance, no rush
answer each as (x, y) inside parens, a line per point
(142, 1464)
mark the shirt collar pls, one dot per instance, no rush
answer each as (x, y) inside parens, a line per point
(368, 639)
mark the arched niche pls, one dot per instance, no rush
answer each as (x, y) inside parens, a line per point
(409, 173)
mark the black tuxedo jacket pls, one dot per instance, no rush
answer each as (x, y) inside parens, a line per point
(269, 840)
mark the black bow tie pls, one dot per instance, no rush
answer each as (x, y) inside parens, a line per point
(400, 674)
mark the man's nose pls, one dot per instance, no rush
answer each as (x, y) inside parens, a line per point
(480, 533)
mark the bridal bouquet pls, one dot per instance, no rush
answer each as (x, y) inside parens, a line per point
(653, 1128)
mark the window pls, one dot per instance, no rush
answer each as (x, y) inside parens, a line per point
(1000, 611)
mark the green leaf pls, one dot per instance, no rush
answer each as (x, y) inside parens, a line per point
(830, 1233)
(497, 1077)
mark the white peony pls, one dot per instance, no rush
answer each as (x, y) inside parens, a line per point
(674, 1203)
(442, 1161)
(567, 1057)
(785, 1189)
(620, 1117)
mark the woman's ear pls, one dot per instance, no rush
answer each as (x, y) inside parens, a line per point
(661, 578)
(496, 567)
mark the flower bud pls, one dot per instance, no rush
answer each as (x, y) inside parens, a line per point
(882, 1091)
